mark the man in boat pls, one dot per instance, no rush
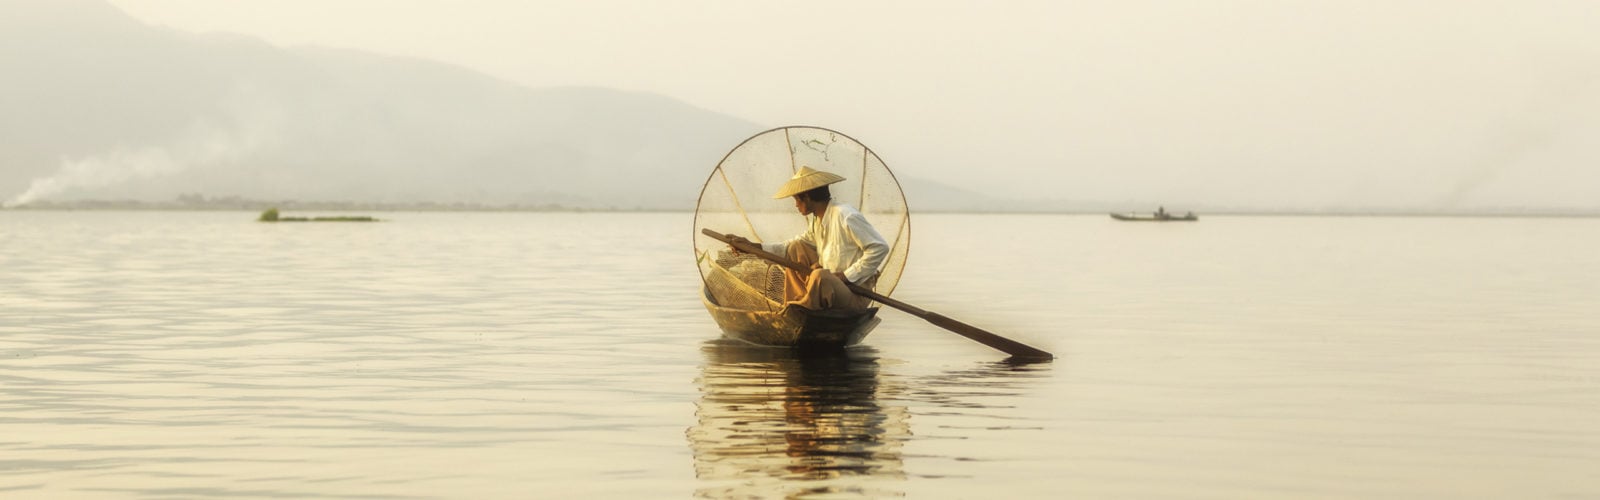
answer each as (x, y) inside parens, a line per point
(839, 245)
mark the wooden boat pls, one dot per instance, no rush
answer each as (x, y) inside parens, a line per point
(1156, 217)
(745, 293)
(793, 326)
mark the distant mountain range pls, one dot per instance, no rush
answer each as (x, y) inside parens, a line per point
(100, 106)
(100, 109)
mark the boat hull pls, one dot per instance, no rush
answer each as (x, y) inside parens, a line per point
(794, 326)
(1154, 218)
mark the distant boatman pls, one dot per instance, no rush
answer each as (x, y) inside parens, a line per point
(839, 245)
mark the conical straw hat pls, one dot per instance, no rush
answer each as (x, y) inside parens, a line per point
(805, 180)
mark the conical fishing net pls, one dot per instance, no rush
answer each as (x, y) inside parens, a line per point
(737, 200)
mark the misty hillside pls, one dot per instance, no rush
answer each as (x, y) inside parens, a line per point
(99, 105)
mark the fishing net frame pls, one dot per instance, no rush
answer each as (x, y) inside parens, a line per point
(736, 199)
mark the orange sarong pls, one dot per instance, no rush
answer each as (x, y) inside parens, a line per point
(820, 288)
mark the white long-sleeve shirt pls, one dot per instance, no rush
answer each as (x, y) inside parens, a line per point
(844, 240)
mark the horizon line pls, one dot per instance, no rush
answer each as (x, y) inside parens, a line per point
(443, 207)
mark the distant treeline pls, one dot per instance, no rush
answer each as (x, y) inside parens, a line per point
(200, 202)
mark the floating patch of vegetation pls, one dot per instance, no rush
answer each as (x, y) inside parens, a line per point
(271, 215)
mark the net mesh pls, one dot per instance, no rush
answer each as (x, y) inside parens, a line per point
(737, 200)
(744, 281)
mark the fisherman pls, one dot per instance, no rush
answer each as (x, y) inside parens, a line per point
(839, 246)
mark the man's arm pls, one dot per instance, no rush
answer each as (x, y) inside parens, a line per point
(874, 250)
(775, 248)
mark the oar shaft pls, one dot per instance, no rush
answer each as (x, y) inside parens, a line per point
(980, 335)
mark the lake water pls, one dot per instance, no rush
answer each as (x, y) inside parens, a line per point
(562, 355)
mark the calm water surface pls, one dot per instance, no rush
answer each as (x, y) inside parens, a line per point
(472, 355)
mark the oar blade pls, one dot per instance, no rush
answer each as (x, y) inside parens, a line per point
(1015, 349)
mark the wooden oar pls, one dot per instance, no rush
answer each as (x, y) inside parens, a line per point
(1016, 349)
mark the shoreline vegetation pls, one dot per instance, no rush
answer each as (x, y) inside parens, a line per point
(229, 203)
(233, 203)
(271, 215)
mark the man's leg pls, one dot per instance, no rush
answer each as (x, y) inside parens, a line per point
(795, 287)
(823, 290)
(832, 293)
(818, 289)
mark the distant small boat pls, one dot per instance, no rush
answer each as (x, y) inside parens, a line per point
(1161, 216)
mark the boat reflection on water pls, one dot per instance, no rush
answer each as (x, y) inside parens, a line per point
(773, 423)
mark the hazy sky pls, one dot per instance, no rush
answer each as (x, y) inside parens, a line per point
(1287, 103)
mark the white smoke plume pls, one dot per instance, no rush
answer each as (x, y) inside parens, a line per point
(1560, 108)
(246, 123)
